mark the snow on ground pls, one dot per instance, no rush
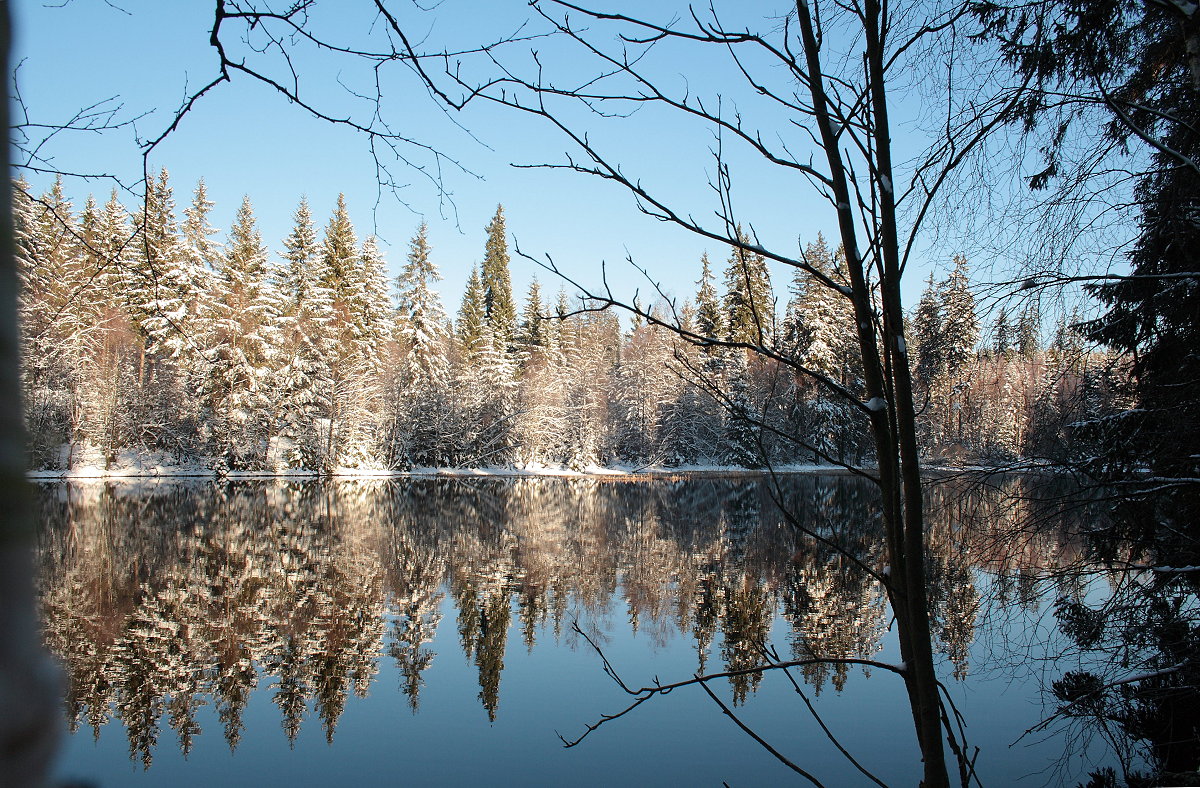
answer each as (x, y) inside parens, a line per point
(130, 467)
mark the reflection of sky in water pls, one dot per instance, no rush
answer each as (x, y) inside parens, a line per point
(559, 686)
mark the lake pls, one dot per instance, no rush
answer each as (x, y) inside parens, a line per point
(439, 631)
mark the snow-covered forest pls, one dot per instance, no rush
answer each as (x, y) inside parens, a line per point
(151, 338)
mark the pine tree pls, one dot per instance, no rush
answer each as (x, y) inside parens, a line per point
(339, 251)
(303, 376)
(238, 326)
(201, 251)
(472, 315)
(497, 284)
(421, 316)
(1002, 344)
(960, 326)
(533, 336)
(749, 301)
(710, 319)
(1028, 342)
(927, 334)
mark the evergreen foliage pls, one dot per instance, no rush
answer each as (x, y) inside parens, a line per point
(494, 276)
(710, 319)
(472, 315)
(420, 315)
(959, 324)
(309, 364)
(749, 301)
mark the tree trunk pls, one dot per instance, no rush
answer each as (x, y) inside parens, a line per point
(888, 390)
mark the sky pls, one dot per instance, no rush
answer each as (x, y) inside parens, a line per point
(243, 139)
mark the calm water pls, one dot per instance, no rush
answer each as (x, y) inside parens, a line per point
(421, 631)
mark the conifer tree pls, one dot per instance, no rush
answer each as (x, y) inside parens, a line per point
(1003, 341)
(472, 315)
(238, 327)
(167, 285)
(960, 326)
(371, 301)
(497, 283)
(339, 251)
(197, 232)
(710, 319)
(1028, 341)
(741, 435)
(300, 251)
(749, 301)
(533, 336)
(90, 301)
(421, 316)
(365, 326)
(927, 334)
(302, 379)
(818, 316)
(47, 268)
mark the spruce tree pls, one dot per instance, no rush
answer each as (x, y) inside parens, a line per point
(49, 319)
(421, 316)
(1028, 341)
(300, 251)
(927, 334)
(497, 284)
(1002, 344)
(533, 335)
(339, 250)
(818, 315)
(472, 315)
(710, 319)
(371, 300)
(749, 301)
(960, 326)
(302, 381)
(197, 232)
(237, 333)
(168, 287)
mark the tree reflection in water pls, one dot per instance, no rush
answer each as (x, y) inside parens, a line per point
(163, 598)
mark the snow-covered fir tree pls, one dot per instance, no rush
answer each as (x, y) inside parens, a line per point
(749, 301)
(237, 327)
(500, 308)
(710, 318)
(422, 328)
(533, 331)
(302, 381)
(420, 315)
(959, 324)
(472, 315)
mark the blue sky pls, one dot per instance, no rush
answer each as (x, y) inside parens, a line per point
(244, 139)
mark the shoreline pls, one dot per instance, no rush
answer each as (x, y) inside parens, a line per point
(595, 473)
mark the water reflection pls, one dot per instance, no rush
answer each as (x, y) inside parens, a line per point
(164, 598)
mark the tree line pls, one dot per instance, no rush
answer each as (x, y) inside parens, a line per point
(146, 339)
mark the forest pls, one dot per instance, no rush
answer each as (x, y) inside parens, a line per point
(1057, 140)
(151, 340)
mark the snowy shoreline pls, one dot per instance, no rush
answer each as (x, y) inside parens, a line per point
(612, 473)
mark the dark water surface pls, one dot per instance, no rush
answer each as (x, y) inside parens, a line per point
(419, 631)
